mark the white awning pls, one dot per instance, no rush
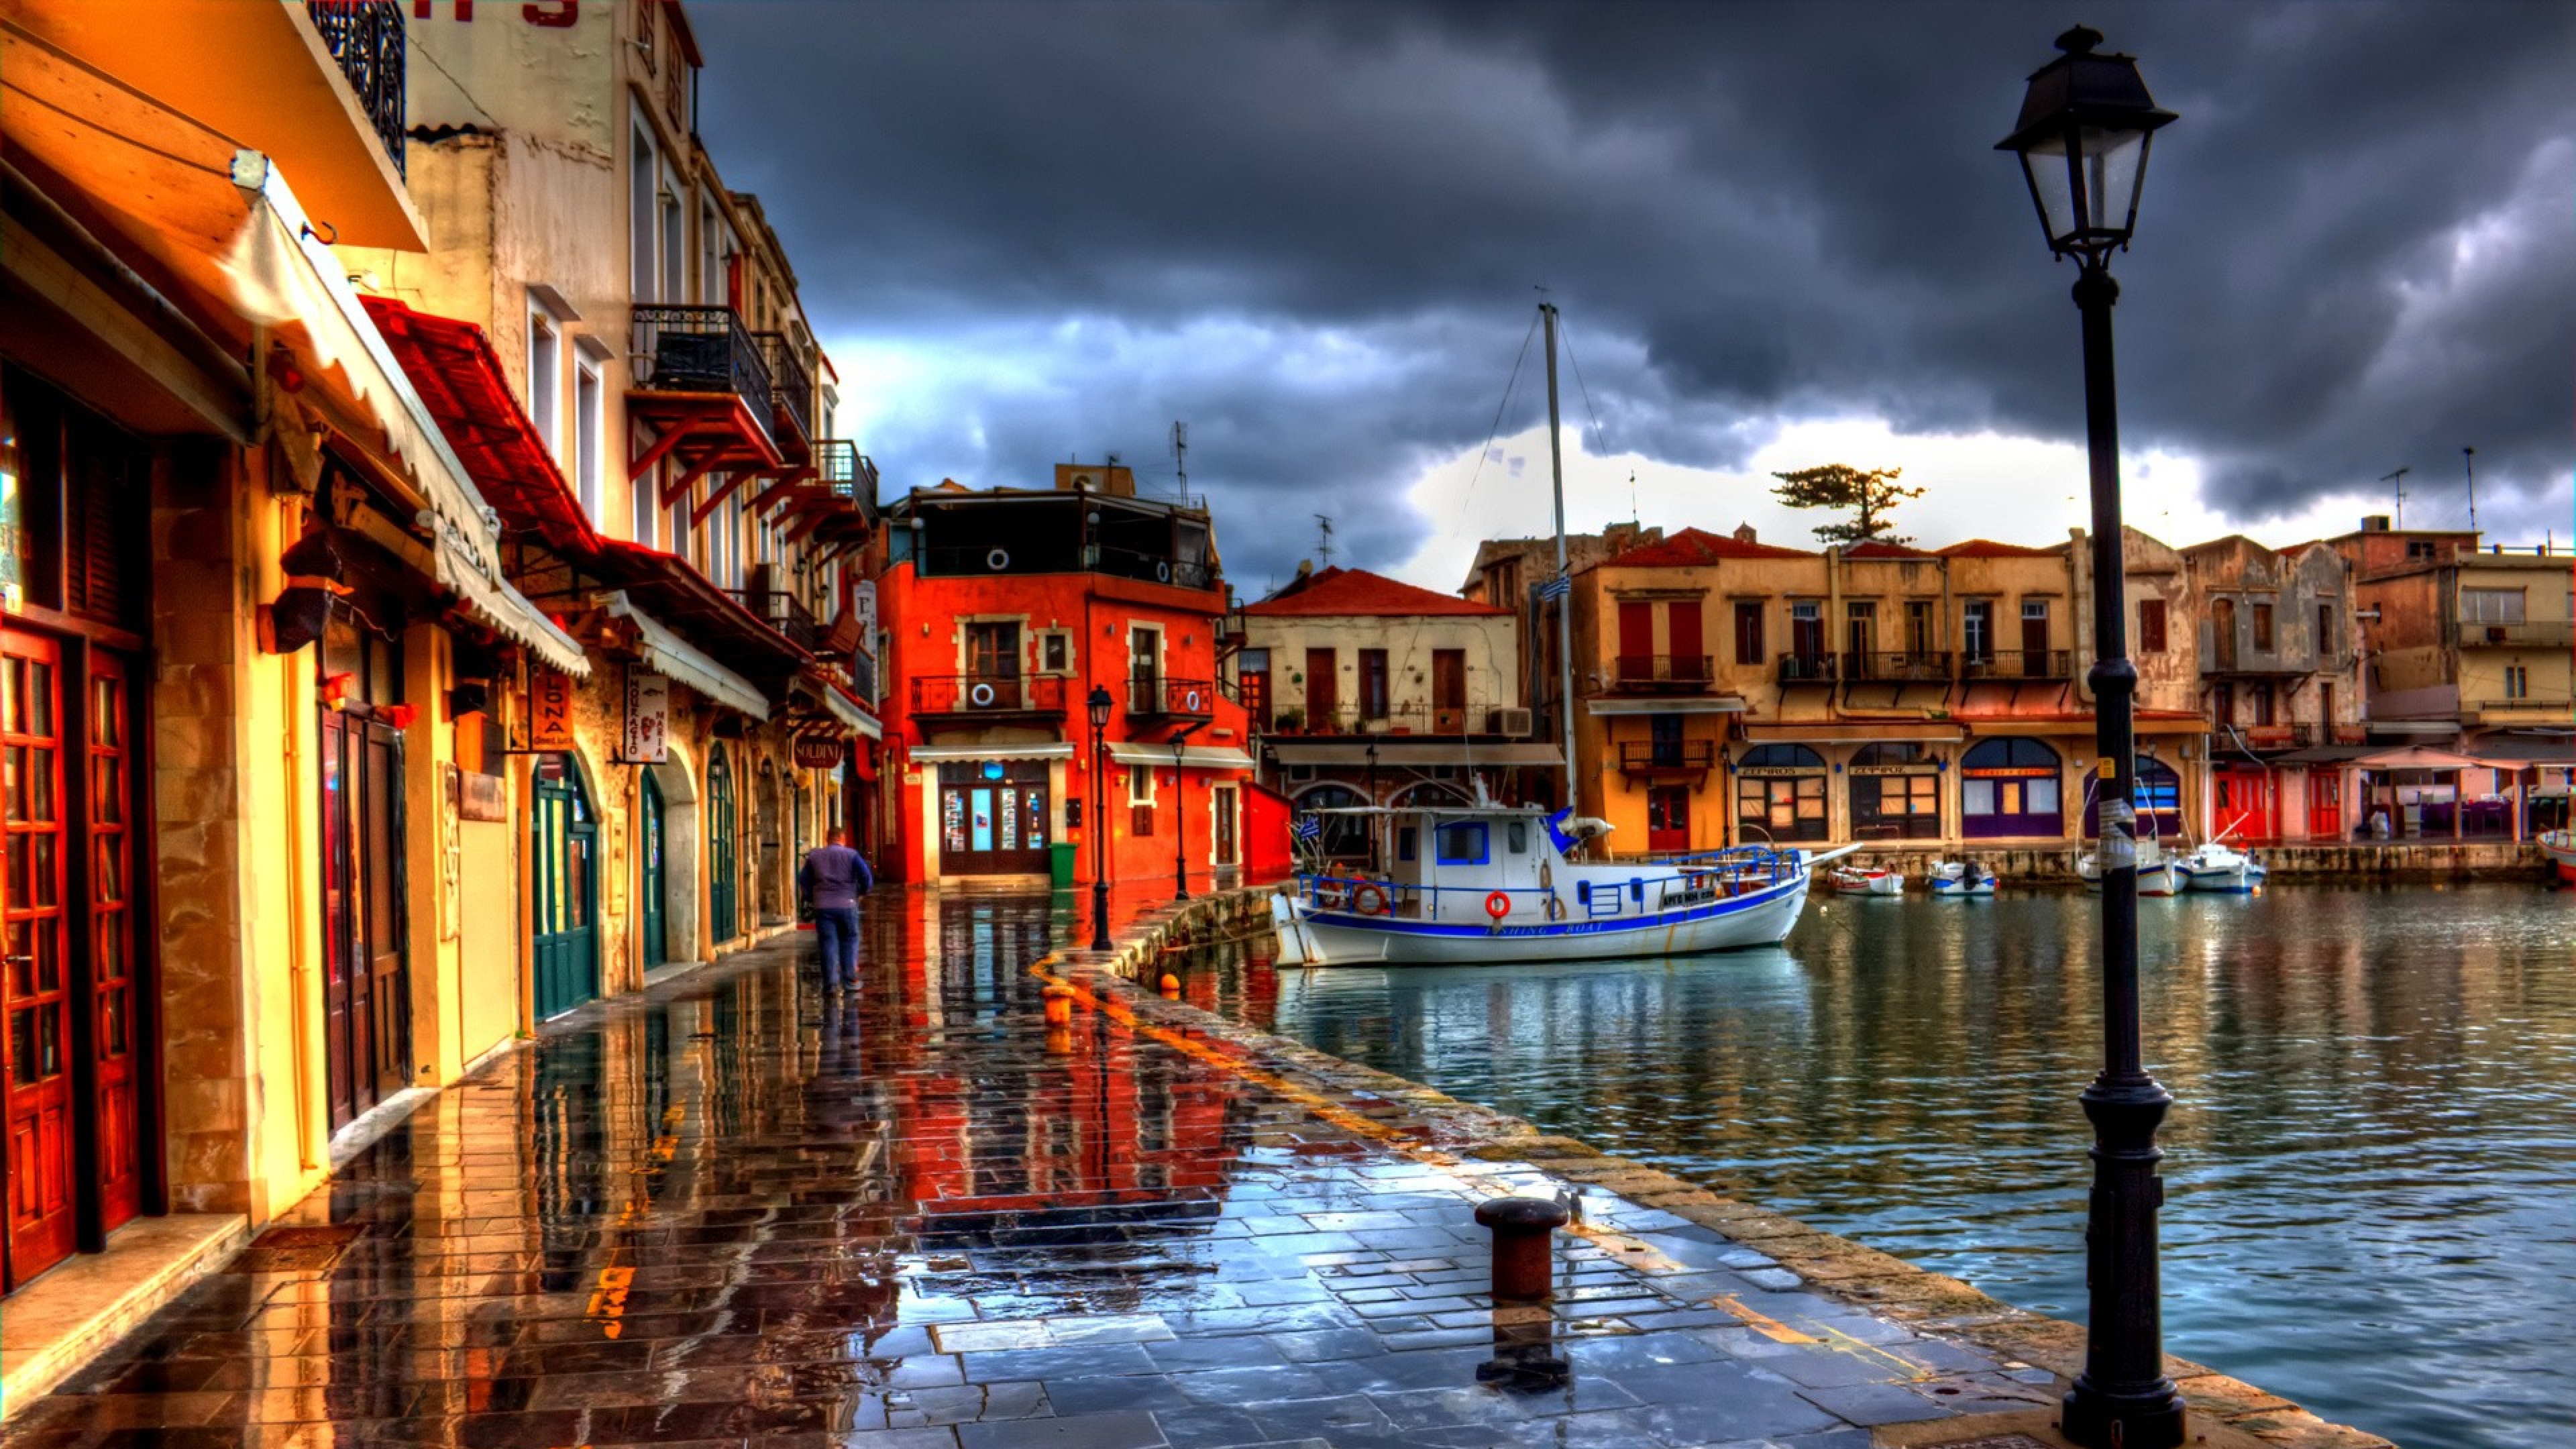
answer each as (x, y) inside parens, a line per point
(840, 707)
(1212, 757)
(506, 612)
(668, 654)
(1697, 704)
(1038, 750)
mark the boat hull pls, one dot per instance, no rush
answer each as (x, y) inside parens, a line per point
(2233, 880)
(2560, 846)
(1963, 890)
(1312, 936)
(2166, 879)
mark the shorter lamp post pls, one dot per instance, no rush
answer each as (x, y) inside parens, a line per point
(1098, 706)
(2085, 127)
(1181, 816)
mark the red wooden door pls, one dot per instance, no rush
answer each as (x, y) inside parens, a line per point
(1668, 818)
(1682, 641)
(1449, 691)
(2244, 805)
(36, 1001)
(2325, 805)
(115, 1083)
(1322, 665)
(1636, 642)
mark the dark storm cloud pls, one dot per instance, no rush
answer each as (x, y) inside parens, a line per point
(1313, 230)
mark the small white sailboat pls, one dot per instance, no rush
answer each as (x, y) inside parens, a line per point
(1867, 882)
(1961, 880)
(2222, 868)
(2560, 847)
(2159, 873)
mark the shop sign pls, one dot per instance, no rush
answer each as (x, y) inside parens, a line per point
(1777, 772)
(819, 752)
(863, 602)
(648, 718)
(549, 710)
(479, 797)
(1926, 768)
(2011, 772)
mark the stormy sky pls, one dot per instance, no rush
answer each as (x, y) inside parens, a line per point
(1777, 233)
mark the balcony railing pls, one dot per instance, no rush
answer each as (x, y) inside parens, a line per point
(1649, 757)
(1662, 673)
(841, 467)
(1901, 665)
(988, 694)
(1809, 668)
(366, 38)
(783, 612)
(2524, 634)
(2298, 735)
(1127, 563)
(863, 677)
(1171, 698)
(2019, 664)
(791, 387)
(1415, 718)
(705, 350)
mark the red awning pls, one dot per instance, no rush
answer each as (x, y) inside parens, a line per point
(674, 592)
(452, 366)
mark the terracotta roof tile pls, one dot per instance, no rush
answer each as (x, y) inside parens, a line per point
(1357, 592)
(1692, 547)
(1988, 548)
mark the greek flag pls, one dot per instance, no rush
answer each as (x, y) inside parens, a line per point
(1310, 828)
(1555, 588)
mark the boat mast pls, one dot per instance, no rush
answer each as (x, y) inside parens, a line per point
(1564, 584)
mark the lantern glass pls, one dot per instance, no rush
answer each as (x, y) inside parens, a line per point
(2087, 191)
(1098, 704)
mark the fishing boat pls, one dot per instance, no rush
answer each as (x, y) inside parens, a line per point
(2560, 847)
(1488, 882)
(2159, 872)
(1854, 882)
(2222, 868)
(1960, 880)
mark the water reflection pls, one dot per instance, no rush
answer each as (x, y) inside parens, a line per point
(2371, 1156)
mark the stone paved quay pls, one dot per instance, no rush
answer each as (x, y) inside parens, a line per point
(735, 1211)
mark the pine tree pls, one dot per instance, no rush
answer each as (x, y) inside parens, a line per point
(1836, 485)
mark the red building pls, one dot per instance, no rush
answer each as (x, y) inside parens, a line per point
(1003, 610)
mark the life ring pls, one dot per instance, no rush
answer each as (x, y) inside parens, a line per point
(1162, 573)
(982, 694)
(1369, 899)
(1194, 701)
(998, 560)
(1498, 905)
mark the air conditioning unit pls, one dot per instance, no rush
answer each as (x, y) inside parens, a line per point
(1507, 722)
(2495, 633)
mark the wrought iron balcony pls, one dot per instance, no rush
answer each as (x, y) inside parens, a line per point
(783, 612)
(2521, 634)
(791, 387)
(1171, 698)
(2019, 664)
(1128, 563)
(988, 694)
(1901, 665)
(1662, 673)
(1411, 718)
(1667, 757)
(695, 349)
(841, 467)
(1809, 668)
(366, 38)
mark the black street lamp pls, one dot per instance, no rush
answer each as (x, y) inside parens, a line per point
(2086, 123)
(1181, 816)
(1098, 705)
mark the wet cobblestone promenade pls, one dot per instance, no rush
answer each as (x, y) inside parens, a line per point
(733, 1211)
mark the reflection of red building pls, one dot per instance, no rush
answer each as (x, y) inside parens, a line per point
(1003, 610)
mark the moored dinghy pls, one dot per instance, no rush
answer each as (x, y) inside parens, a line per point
(2222, 868)
(1960, 880)
(2159, 874)
(1867, 882)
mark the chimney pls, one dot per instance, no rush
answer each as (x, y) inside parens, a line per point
(2374, 523)
(1744, 534)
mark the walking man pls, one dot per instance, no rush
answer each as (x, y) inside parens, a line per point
(832, 879)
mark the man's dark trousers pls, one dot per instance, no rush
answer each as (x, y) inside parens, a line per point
(836, 929)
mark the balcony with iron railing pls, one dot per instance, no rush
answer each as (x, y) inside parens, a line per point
(1660, 673)
(366, 37)
(1171, 698)
(791, 388)
(1417, 717)
(985, 694)
(1667, 757)
(2296, 735)
(1128, 563)
(2519, 634)
(1902, 666)
(783, 612)
(2018, 664)
(1804, 668)
(703, 351)
(841, 467)
(863, 677)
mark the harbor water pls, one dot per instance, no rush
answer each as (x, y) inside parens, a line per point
(2371, 1159)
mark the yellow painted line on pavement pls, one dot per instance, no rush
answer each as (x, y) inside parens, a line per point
(1761, 1323)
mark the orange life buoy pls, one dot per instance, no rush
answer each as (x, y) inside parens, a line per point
(1368, 900)
(1498, 905)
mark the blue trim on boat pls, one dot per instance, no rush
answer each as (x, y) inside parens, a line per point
(1396, 926)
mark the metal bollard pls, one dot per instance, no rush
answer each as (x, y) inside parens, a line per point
(1523, 1228)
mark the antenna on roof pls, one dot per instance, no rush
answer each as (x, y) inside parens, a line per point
(1181, 457)
(1324, 538)
(2468, 466)
(2398, 478)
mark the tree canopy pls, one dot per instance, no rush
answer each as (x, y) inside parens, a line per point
(1869, 495)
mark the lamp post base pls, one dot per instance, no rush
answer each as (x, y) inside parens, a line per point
(1100, 916)
(2152, 1418)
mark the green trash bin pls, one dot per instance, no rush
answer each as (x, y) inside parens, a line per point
(1060, 864)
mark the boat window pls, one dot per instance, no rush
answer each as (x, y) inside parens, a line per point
(1583, 892)
(1516, 835)
(1407, 843)
(1461, 844)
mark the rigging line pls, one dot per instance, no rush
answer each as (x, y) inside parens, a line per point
(1495, 431)
(1601, 434)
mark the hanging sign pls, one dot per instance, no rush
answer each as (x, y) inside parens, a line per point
(648, 718)
(549, 710)
(819, 752)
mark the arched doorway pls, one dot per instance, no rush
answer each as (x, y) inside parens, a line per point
(721, 924)
(2155, 793)
(1780, 794)
(2009, 787)
(652, 873)
(768, 820)
(1344, 837)
(565, 846)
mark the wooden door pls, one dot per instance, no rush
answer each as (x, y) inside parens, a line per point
(648, 887)
(381, 947)
(1636, 641)
(993, 657)
(37, 1000)
(720, 907)
(993, 818)
(112, 1155)
(1683, 642)
(1323, 666)
(1221, 816)
(2034, 636)
(2222, 631)
(1252, 669)
(1449, 691)
(2244, 799)
(564, 844)
(2325, 805)
(1668, 817)
(346, 1010)
(1145, 671)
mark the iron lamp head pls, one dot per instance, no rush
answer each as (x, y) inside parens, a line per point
(1098, 704)
(2086, 124)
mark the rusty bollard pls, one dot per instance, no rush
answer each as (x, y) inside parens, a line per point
(1523, 1228)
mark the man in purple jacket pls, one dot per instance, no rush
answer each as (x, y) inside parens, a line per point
(832, 879)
